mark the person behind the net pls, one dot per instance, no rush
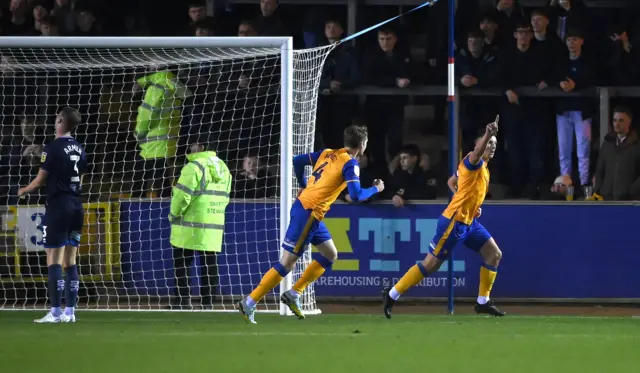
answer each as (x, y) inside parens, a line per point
(458, 224)
(63, 163)
(333, 170)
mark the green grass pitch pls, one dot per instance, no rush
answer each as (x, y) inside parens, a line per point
(114, 342)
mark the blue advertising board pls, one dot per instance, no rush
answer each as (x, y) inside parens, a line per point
(251, 247)
(549, 251)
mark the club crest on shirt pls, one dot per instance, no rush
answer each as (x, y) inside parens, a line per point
(43, 157)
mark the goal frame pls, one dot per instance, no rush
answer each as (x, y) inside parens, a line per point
(285, 44)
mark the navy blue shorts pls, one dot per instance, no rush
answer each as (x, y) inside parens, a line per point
(303, 230)
(62, 224)
(450, 233)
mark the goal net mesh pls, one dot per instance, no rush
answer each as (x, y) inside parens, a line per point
(142, 110)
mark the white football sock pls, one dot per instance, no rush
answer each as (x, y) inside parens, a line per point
(483, 300)
(294, 294)
(393, 293)
(250, 302)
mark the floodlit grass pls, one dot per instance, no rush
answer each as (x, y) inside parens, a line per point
(114, 342)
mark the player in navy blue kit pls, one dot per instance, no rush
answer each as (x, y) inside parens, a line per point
(63, 163)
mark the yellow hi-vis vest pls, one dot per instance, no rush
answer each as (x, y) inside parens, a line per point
(158, 121)
(198, 203)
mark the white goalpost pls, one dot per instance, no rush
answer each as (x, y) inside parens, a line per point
(144, 103)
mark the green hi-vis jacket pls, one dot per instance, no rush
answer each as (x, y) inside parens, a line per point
(198, 203)
(158, 121)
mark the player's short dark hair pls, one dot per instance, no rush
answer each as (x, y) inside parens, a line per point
(480, 134)
(197, 4)
(70, 118)
(354, 136)
(475, 34)
(622, 109)
(411, 149)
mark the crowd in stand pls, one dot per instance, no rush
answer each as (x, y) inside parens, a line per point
(564, 46)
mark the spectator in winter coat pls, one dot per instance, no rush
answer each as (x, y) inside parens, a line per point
(618, 170)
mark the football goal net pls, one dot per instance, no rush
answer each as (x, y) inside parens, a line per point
(145, 103)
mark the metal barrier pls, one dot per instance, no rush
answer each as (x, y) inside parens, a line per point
(603, 94)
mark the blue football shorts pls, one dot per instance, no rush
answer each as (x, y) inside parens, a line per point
(62, 223)
(450, 233)
(303, 230)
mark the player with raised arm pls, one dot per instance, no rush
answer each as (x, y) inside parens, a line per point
(458, 224)
(333, 170)
(63, 163)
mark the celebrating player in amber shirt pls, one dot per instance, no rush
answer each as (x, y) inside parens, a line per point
(459, 224)
(333, 170)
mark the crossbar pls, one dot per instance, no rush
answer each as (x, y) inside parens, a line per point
(143, 42)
